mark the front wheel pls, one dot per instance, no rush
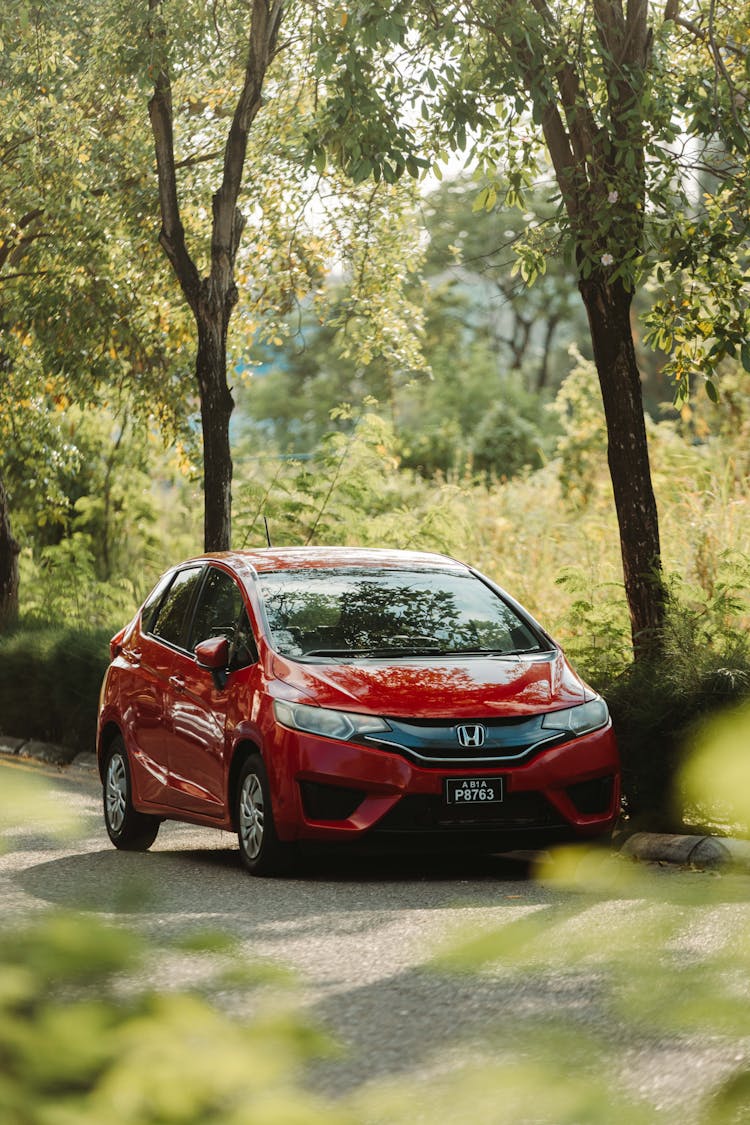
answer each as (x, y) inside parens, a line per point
(260, 848)
(128, 830)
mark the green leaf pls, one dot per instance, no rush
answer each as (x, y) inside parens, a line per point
(745, 355)
(711, 391)
(481, 200)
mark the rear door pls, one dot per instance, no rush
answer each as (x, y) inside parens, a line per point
(163, 634)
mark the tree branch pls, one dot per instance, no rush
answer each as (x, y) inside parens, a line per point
(533, 73)
(698, 33)
(228, 220)
(9, 246)
(579, 118)
(172, 235)
(625, 40)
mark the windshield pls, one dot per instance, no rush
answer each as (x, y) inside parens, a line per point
(366, 612)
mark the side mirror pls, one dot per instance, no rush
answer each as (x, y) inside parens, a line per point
(214, 655)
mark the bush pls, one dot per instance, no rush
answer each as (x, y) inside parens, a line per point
(350, 492)
(704, 669)
(49, 683)
(505, 442)
(654, 710)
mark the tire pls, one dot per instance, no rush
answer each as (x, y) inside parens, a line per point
(130, 831)
(261, 850)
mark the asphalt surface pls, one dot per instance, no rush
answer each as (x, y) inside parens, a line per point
(360, 937)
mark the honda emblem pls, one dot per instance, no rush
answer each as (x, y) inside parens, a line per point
(471, 736)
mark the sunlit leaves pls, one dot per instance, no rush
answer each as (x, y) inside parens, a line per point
(83, 305)
(632, 143)
(719, 767)
(78, 1047)
(700, 314)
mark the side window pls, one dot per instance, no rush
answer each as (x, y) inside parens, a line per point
(171, 620)
(151, 604)
(219, 606)
(243, 650)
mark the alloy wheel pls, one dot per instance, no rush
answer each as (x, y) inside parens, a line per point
(252, 815)
(116, 793)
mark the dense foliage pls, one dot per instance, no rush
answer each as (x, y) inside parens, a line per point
(49, 686)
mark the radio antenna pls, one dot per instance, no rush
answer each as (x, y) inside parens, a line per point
(268, 534)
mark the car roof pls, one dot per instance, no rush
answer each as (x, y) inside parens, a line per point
(306, 558)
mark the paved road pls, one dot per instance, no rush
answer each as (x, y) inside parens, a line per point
(361, 937)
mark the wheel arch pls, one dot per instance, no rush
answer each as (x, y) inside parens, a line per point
(109, 732)
(243, 750)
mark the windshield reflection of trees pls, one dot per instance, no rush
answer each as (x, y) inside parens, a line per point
(374, 616)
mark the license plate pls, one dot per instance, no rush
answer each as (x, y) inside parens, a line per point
(473, 790)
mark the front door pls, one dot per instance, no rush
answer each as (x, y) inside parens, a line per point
(197, 705)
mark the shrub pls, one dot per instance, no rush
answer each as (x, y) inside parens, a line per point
(49, 683)
(62, 586)
(654, 710)
(704, 668)
(505, 442)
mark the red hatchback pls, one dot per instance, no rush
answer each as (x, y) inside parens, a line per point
(335, 694)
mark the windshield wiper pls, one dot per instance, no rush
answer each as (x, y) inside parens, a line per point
(376, 653)
(487, 651)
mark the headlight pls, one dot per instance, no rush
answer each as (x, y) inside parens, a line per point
(578, 720)
(331, 724)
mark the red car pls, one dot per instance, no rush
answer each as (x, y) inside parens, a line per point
(336, 694)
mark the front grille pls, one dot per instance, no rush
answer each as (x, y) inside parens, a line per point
(424, 813)
(329, 802)
(435, 743)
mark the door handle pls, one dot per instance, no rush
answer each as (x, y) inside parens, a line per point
(177, 683)
(134, 656)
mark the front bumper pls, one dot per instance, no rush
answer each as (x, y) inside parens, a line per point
(329, 790)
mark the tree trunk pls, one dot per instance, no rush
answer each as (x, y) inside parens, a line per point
(213, 297)
(9, 551)
(217, 405)
(608, 308)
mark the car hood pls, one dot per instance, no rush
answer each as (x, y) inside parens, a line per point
(462, 687)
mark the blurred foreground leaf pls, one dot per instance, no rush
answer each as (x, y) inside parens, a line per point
(718, 771)
(81, 1045)
(30, 805)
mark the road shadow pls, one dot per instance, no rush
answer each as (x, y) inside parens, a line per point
(193, 883)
